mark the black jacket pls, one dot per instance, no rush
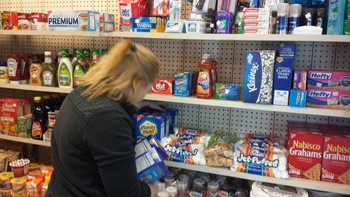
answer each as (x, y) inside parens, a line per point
(93, 149)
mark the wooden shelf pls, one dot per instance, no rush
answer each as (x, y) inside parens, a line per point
(295, 182)
(25, 140)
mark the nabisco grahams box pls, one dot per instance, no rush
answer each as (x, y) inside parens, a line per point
(336, 159)
(305, 154)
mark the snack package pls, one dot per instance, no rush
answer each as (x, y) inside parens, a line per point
(260, 155)
(219, 154)
(163, 86)
(132, 9)
(227, 91)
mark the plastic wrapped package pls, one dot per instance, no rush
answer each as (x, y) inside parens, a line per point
(219, 154)
(260, 155)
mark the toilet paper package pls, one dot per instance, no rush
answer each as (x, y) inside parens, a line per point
(258, 77)
(260, 155)
(328, 98)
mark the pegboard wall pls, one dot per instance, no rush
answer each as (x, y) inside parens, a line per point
(184, 55)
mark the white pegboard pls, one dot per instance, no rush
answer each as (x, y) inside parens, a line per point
(5, 5)
(113, 8)
(57, 5)
(190, 116)
(145, 42)
(177, 106)
(57, 43)
(246, 121)
(112, 41)
(323, 55)
(6, 43)
(100, 5)
(170, 54)
(212, 118)
(192, 54)
(317, 119)
(280, 123)
(82, 4)
(342, 59)
(32, 6)
(16, 5)
(100, 43)
(303, 55)
(339, 121)
(83, 42)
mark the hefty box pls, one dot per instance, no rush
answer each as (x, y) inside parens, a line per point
(147, 124)
(336, 159)
(305, 154)
(332, 99)
(163, 86)
(75, 20)
(283, 74)
(337, 80)
(258, 77)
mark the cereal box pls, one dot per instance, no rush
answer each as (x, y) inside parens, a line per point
(258, 77)
(305, 154)
(163, 86)
(328, 98)
(11, 110)
(337, 80)
(74, 20)
(336, 159)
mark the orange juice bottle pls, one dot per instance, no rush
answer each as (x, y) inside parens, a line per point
(206, 76)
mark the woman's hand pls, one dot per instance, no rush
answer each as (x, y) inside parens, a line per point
(154, 189)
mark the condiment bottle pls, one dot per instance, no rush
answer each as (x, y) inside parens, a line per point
(49, 72)
(80, 67)
(4, 78)
(25, 64)
(38, 127)
(95, 58)
(64, 73)
(35, 72)
(206, 77)
(212, 188)
(14, 69)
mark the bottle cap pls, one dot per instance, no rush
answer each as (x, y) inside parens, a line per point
(48, 53)
(283, 9)
(65, 52)
(37, 98)
(295, 9)
(208, 56)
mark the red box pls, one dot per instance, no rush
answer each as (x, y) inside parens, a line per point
(23, 21)
(38, 21)
(336, 159)
(305, 154)
(10, 111)
(9, 20)
(163, 86)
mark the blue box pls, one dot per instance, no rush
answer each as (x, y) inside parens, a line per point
(227, 91)
(148, 24)
(108, 22)
(297, 98)
(183, 84)
(283, 74)
(147, 144)
(172, 114)
(148, 124)
(258, 77)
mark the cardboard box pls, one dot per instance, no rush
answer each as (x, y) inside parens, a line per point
(75, 20)
(148, 24)
(299, 80)
(227, 91)
(336, 159)
(163, 86)
(324, 79)
(305, 154)
(256, 31)
(297, 98)
(23, 21)
(328, 98)
(24, 126)
(149, 124)
(183, 84)
(9, 20)
(11, 110)
(108, 22)
(258, 77)
(38, 21)
(283, 74)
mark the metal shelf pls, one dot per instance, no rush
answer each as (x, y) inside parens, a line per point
(184, 36)
(206, 102)
(295, 182)
(25, 140)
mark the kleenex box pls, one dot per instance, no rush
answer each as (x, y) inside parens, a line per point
(258, 77)
(74, 20)
(283, 74)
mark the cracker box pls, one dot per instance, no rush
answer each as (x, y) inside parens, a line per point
(23, 21)
(9, 20)
(305, 154)
(258, 77)
(11, 110)
(24, 126)
(328, 98)
(336, 159)
(147, 124)
(283, 74)
(108, 22)
(163, 86)
(299, 80)
(337, 80)
(74, 20)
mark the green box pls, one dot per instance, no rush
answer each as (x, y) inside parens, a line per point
(24, 125)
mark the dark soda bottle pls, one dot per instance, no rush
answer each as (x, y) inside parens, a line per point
(38, 126)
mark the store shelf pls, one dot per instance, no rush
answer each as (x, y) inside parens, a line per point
(25, 140)
(206, 102)
(37, 88)
(184, 36)
(295, 182)
(249, 106)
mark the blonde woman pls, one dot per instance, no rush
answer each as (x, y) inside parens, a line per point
(93, 139)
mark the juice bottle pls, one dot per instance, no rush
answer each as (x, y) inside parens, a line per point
(49, 71)
(39, 126)
(80, 68)
(206, 77)
(64, 73)
(35, 72)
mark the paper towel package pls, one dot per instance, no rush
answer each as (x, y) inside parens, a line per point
(258, 77)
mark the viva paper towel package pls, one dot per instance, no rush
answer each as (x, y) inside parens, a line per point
(258, 77)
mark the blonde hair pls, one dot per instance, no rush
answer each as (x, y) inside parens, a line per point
(122, 73)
